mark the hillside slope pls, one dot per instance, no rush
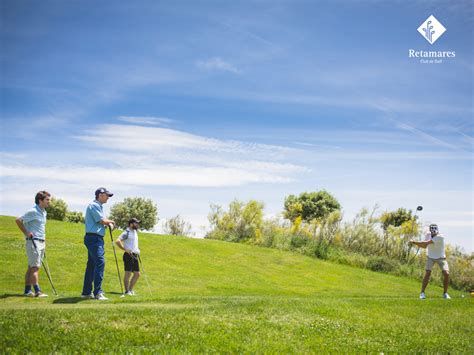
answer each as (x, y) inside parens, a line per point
(178, 266)
(212, 295)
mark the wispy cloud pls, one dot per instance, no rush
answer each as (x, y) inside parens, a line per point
(306, 144)
(134, 138)
(425, 136)
(155, 156)
(13, 156)
(158, 175)
(146, 120)
(247, 33)
(218, 64)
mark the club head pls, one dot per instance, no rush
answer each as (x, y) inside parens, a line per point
(123, 296)
(419, 208)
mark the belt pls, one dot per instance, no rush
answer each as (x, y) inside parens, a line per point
(39, 240)
(94, 235)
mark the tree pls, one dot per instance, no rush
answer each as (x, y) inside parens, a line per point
(143, 209)
(57, 209)
(241, 222)
(310, 206)
(395, 218)
(177, 226)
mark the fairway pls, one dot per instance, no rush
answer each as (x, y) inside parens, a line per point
(222, 297)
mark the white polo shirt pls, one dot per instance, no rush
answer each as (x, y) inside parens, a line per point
(129, 239)
(436, 249)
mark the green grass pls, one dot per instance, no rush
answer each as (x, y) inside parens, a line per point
(222, 297)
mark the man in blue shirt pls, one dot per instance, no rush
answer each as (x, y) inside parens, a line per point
(96, 224)
(33, 226)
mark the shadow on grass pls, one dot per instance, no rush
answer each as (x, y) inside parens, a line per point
(71, 300)
(11, 295)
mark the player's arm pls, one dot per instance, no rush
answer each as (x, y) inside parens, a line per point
(421, 244)
(19, 223)
(99, 217)
(119, 243)
(107, 222)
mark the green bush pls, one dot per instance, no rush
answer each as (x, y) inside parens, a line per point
(380, 263)
(346, 258)
(322, 250)
(242, 222)
(57, 209)
(298, 241)
(407, 270)
(282, 241)
(266, 240)
(75, 217)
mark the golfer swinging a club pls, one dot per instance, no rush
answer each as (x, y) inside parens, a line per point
(33, 226)
(436, 255)
(95, 223)
(128, 241)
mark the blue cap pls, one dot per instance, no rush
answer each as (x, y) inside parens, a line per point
(103, 190)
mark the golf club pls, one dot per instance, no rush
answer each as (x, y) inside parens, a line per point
(419, 208)
(144, 274)
(45, 267)
(116, 262)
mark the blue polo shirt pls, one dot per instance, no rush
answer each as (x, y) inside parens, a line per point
(34, 221)
(94, 214)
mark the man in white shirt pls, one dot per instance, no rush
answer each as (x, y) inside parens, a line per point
(128, 241)
(436, 255)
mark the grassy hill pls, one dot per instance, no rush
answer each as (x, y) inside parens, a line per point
(216, 296)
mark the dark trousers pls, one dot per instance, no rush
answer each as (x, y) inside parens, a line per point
(95, 264)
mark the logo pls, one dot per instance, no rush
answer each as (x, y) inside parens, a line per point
(431, 29)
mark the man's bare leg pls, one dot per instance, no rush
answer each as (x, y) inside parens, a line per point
(426, 279)
(136, 276)
(126, 280)
(446, 281)
(34, 275)
(27, 277)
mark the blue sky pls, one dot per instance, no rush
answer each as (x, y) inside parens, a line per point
(191, 103)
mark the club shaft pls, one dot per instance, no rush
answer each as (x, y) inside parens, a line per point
(116, 261)
(45, 267)
(145, 274)
(418, 248)
(46, 270)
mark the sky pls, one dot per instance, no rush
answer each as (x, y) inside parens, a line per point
(192, 103)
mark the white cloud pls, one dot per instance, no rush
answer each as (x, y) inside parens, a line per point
(13, 156)
(158, 140)
(217, 63)
(155, 156)
(167, 175)
(146, 120)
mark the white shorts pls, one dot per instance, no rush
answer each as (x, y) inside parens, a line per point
(443, 264)
(35, 256)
